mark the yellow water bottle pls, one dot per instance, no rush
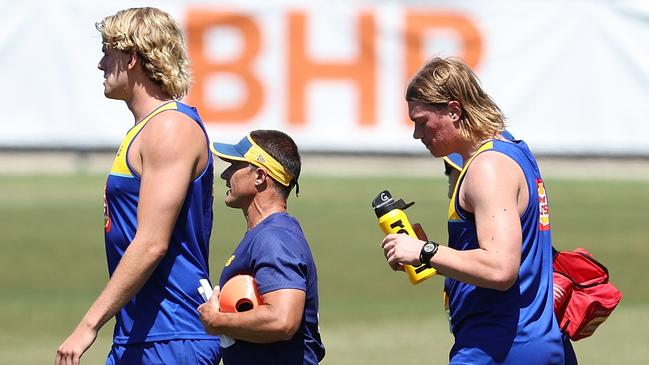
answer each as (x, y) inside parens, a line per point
(393, 219)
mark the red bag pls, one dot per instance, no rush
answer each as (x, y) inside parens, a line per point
(583, 297)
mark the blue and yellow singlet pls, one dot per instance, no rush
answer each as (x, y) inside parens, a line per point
(165, 307)
(516, 326)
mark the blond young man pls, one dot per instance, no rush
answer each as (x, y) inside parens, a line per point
(498, 261)
(158, 203)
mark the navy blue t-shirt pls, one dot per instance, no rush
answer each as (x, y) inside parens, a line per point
(278, 256)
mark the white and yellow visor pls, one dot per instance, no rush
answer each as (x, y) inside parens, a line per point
(248, 150)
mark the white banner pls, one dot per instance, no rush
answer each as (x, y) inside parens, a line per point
(571, 77)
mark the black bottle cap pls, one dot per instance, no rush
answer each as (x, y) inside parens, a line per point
(384, 203)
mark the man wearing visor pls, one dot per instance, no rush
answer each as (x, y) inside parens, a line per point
(264, 168)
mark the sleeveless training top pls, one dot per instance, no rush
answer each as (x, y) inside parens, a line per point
(165, 307)
(517, 325)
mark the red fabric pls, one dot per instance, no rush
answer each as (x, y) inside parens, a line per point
(583, 296)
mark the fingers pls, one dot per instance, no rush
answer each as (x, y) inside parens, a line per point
(62, 356)
(203, 311)
(67, 357)
(214, 299)
(387, 248)
(389, 251)
(201, 314)
(394, 265)
(388, 238)
(401, 249)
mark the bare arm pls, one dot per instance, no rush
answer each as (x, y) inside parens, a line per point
(278, 319)
(168, 162)
(497, 204)
(491, 191)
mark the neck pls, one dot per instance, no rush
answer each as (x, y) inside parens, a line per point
(261, 208)
(146, 97)
(469, 152)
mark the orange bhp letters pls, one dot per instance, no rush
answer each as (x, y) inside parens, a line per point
(303, 69)
(298, 70)
(199, 22)
(418, 23)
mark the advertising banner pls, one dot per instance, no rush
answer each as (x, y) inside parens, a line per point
(572, 78)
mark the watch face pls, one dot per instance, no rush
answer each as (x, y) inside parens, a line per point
(428, 248)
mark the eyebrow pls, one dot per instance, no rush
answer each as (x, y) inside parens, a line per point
(417, 118)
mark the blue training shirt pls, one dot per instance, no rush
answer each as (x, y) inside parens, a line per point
(165, 307)
(276, 253)
(516, 326)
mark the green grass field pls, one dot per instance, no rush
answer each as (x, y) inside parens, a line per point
(52, 264)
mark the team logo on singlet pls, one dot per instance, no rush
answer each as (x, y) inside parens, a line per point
(544, 210)
(229, 261)
(107, 221)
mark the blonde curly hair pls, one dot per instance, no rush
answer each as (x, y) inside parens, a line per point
(158, 42)
(442, 80)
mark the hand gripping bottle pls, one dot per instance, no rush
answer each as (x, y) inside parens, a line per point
(393, 219)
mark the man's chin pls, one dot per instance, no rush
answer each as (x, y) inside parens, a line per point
(108, 95)
(231, 203)
(434, 153)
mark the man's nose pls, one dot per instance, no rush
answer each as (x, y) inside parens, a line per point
(416, 134)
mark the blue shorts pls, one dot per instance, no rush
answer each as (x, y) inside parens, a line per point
(529, 353)
(176, 352)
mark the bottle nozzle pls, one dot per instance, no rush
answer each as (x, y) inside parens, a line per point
(384, 203)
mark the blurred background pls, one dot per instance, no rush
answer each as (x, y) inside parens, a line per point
(572, 78)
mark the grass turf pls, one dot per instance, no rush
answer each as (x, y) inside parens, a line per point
(53, 266)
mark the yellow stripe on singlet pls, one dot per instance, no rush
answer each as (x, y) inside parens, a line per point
(120, 167)
(452, 213)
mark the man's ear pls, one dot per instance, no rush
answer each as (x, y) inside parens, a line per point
(260, 176)
(132, 60)
(455, 110)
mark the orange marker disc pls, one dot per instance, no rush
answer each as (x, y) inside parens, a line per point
(239, 294)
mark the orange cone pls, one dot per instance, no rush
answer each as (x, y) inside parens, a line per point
(239, 294)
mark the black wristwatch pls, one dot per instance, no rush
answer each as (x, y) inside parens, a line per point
(427, 252)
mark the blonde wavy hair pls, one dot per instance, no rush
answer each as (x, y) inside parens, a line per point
(158, 42)
(442, 80)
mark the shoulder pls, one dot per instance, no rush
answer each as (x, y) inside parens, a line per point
(173, 132)
(278, 235)
(279, 238)
(490, 165)
(173, 124)
(492, 174)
